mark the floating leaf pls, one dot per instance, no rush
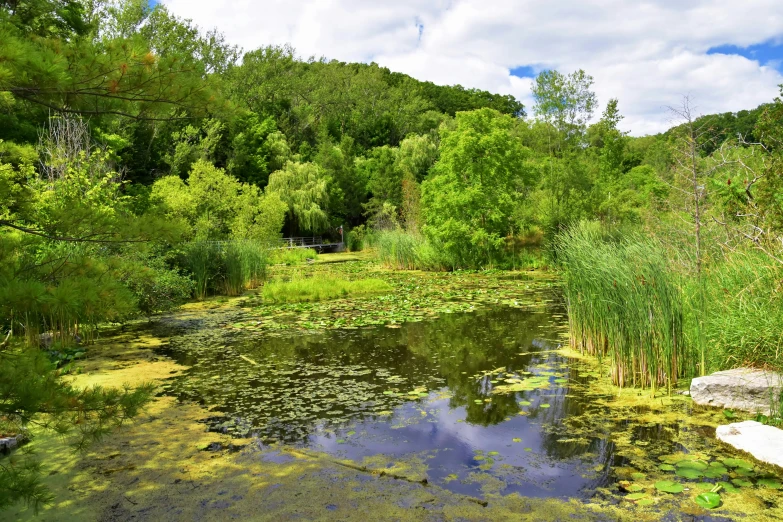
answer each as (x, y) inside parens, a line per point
(769, 483)
(493, 453)
(633, 488)
(646, 502)
(516, 439)
(669, 486)
(692, 464)
(690, 474)
(666, 467)
(708, 500)
(544, 406)
(737, 463)
(742, 483)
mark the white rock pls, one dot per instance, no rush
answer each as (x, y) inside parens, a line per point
(756, 391)
(764, 442)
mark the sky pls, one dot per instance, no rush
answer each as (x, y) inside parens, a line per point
(726, 55)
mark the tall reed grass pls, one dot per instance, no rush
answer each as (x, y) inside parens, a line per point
(624, 303)
(401, 250)
(744, 323)
(226, 267)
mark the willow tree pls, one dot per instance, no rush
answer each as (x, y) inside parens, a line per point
(471, 192)
(304, 188)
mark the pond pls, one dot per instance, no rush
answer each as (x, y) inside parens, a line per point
(479, 403)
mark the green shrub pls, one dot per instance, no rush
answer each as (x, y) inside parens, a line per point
(321, 288)
(156, 287)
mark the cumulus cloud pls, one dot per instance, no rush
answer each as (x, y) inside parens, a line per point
(648, 54)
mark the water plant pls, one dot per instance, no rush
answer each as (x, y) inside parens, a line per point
(321, 288)
(624, 304)
(226, 267)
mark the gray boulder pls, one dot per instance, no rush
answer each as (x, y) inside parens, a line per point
(764, 442)
(756, 391)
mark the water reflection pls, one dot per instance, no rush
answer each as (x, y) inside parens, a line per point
(421, 389)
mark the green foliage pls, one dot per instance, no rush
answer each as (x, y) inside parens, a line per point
(624, 304)
(744, 323)
(156, 287)
(470, 195)
(225, 267)
(322, 288)
(292, 256)
(215, 206)
(304, 188)
(403, 250)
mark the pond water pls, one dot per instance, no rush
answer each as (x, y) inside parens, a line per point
(483, 401)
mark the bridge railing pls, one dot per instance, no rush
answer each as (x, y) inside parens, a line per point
(301, 242)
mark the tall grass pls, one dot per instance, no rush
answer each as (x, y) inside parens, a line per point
(292, 256)
(402, 250)
(321, 288)
(226, 267)
(624, 304)
(744, 323)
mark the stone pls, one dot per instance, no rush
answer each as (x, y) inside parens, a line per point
(756, 391)
(763, 442)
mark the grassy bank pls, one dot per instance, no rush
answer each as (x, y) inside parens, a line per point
(321, 288)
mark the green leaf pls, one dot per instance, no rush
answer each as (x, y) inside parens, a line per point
(669, 486)
(769, 483)
(516, 439)
(690, 474)
(708, 500)
(737, 463)
(666, 467)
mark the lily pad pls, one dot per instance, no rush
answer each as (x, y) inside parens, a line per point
(666, 467)
(646, 502)
(708, 500)
(692, 464)
(669, 486)
(516, 439)
(544, 406)
(742, 483)
(769, 483)
(737, 463)
(690, 474)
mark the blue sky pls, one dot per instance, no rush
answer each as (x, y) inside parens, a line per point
(724, 54)
(767, 53)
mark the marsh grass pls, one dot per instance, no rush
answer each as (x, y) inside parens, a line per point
(226, 267)
(321, 288)
(744, 323)
(292, 256)
(624, 304)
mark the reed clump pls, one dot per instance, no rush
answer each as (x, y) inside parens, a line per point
(226, 267)
(322, 288)
(624, 304)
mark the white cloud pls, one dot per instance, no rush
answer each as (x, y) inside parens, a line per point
(646, 53)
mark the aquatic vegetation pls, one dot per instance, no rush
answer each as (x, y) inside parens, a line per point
(623, 304)
(322, 288)
(292, 256)
(226, 267)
